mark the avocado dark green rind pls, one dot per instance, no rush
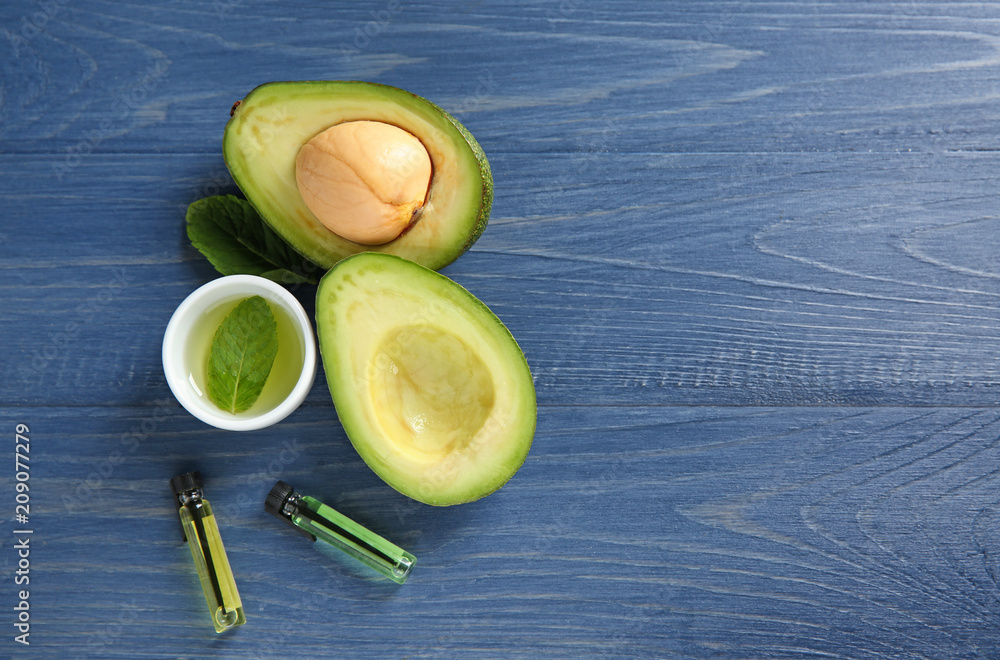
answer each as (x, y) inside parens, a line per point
(487, 178)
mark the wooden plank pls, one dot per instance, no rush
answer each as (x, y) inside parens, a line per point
(636, 531)
(803, 288)
(716, 76)
(749, 250)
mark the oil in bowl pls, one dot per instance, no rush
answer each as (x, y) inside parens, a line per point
(187, 345)
(284, 372)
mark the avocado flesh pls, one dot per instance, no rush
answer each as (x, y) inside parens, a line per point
(271, 124)
(430, 386)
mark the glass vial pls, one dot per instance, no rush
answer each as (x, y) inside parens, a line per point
(202, 535)
(314, 519)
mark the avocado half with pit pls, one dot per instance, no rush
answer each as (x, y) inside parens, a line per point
(430, 386)
(337, 168)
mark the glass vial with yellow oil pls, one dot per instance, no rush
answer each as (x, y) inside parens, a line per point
(202, 535)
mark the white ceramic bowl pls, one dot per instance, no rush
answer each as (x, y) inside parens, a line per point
(176, 355)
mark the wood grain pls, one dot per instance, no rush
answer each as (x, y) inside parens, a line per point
(749, 249)
(655, 531)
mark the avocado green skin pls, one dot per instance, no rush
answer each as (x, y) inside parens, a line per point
(355, 428)
(441, 257)
(484, 168)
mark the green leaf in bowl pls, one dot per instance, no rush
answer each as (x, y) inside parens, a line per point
(242, 355)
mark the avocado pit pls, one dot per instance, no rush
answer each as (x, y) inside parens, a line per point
(365, 181)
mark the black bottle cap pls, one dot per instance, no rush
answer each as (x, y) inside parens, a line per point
(277, 497)
(182, 483)
(275, 502)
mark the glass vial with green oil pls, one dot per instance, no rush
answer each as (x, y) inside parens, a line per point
(316, 520)
(202, 535)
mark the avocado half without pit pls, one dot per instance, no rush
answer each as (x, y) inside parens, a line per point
(430, 386)
(337, 168)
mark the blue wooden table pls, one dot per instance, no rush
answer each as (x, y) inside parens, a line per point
(749, 249)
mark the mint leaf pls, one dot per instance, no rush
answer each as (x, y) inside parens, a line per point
(242, 355)
(236, 240)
